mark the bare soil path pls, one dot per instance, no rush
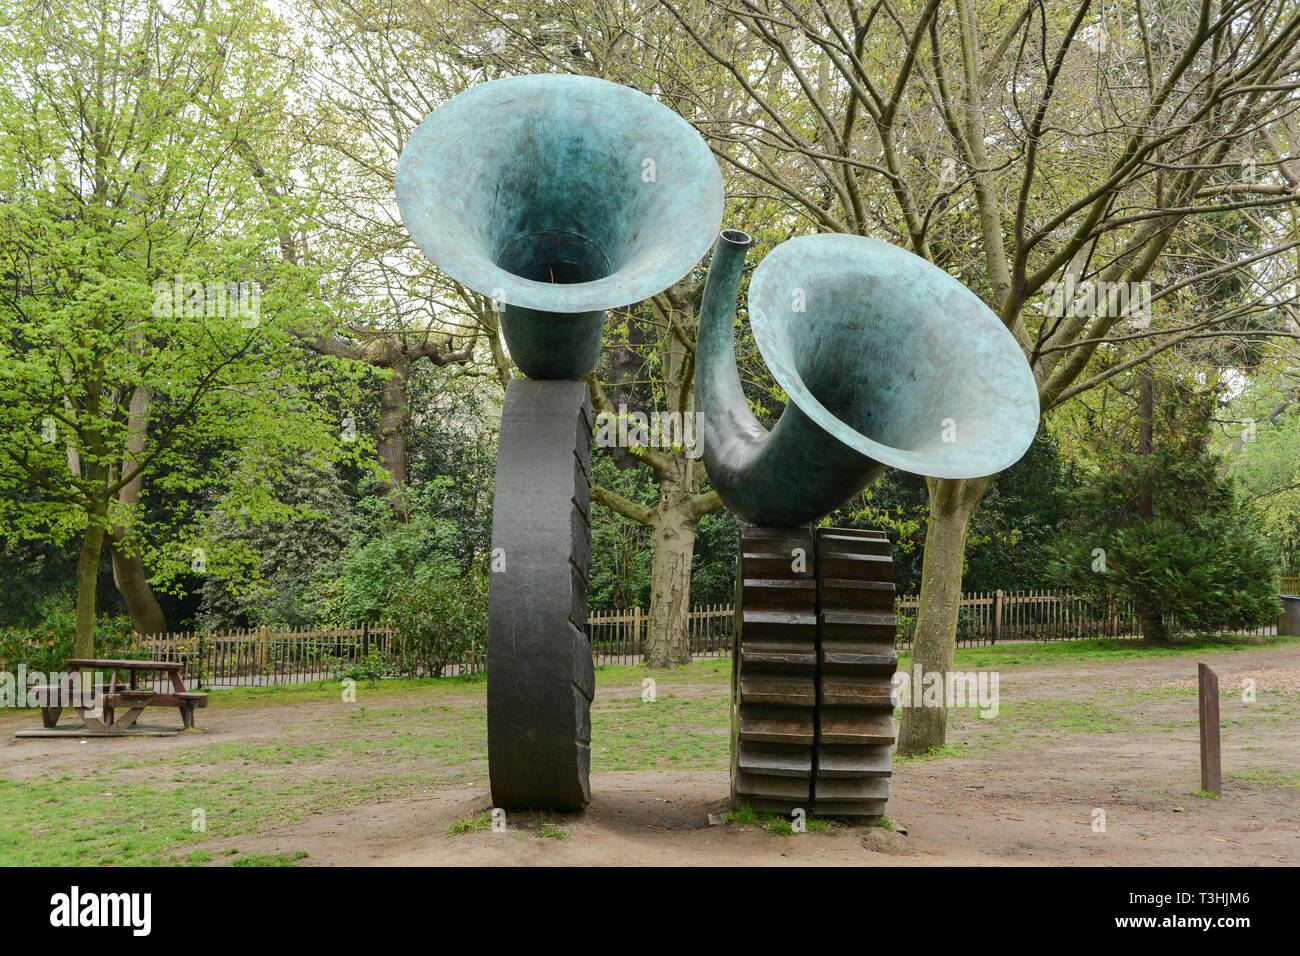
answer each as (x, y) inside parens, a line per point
(1071, 741)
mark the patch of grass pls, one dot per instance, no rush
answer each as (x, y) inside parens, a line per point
(671, 733)
(1104, 650)
(1269, 777)
(746, 816)
(331, 691)
(470, 823)
(822, 825)
(271, 859)
(780, 826)
(409, 736)
(743, 816)
(711, 671)
(935, 753)
(549, 831)
(1205, 794)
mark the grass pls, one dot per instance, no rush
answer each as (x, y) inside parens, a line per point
(271, 859)
(747, 816)
(403, 737)
(1269, 777)
(471, 823)
(820, 825)
(1105, 650)
(935, 753)
(399, 737)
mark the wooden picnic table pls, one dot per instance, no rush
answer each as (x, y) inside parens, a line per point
(98, 705)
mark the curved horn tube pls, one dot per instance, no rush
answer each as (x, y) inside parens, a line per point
(789, 477)
(887, 360)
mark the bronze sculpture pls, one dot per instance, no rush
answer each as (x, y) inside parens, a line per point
(560, 197)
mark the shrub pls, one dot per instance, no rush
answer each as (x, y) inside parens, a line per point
(47, 646)
(440, 618)
(374, 665)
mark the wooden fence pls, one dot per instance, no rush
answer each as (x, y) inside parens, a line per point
(991, 616)
(619, 637)
(1289, 584)
(983, 617)
(270, 656)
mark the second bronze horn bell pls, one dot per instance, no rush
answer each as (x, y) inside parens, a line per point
(888, 361)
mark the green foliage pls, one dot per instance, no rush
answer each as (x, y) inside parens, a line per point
(373, 666)
(37, 576)
(440, 617)
(382, 552)
(1200, 557)
(1012, 534)
(150, 323)
(47, 646)
(266, 566)
(469, 823)
(713, 571)
(271, 859)
(1262, 445)
(621, 554)
(451, 446)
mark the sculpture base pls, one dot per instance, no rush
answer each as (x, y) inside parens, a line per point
(540, 674)
(812, 671)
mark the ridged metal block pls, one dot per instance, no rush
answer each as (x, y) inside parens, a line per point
(812, 672)
(856, 664)
(774, 670)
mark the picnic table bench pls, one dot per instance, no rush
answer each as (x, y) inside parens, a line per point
(98, 705)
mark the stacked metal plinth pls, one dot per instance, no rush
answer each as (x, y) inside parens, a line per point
(856, 626)
(774, 670)
(812, 670)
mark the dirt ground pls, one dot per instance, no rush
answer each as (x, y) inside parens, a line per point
(1028, 798)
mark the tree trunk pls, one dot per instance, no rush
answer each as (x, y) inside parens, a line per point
(394, 406)
(133, 584)
(87, 578)
(952, 502)
(667, 638)
(129, 575)
(1151, 619)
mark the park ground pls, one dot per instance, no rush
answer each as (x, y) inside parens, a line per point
(298, 776)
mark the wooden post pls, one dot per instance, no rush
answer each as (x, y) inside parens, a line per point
(997, 615)
(636, 631)
(1211, 770)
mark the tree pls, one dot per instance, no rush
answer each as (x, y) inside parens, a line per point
(1027, 149)
(145, 314)
(1159, 524)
